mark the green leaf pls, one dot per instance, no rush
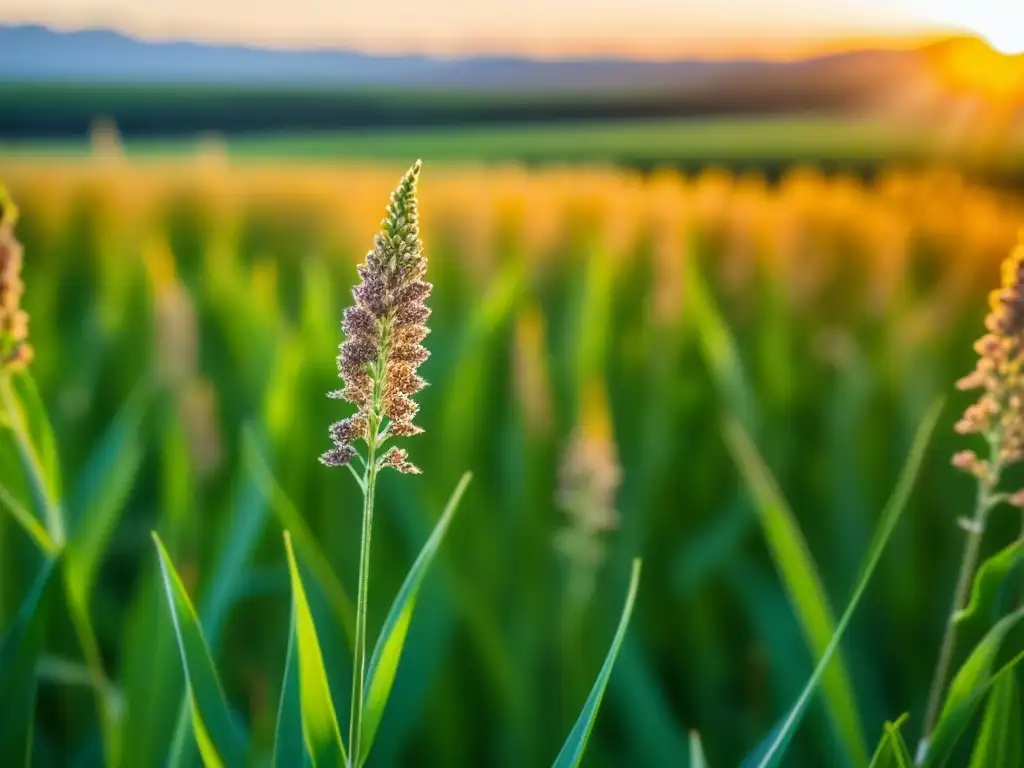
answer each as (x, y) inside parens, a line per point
(289, 745)
(890, 516)
(102, 489)
(319, 721)
(891, 750)
(989, 578)
(19, 653)
(292, 521)
(212, 725)
(28, 429)
(800, 577)
(386, 655)
(717, 344)
(969, 685)
(697, 758)
(575, 745)
(28, 522)
(900, 751)
(40, 431)
(999, 742)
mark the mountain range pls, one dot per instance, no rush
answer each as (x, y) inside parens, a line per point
(33, 54)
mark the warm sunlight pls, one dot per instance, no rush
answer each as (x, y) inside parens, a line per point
(972, 66)
(991, 19)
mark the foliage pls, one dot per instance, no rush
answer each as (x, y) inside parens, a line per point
(850, 307)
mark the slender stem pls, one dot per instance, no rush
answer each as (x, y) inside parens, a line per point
(972, 547)
(359, 650)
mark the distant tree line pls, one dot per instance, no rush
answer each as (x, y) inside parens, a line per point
(68, 110)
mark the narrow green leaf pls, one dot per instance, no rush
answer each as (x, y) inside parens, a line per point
(697, 758)
(289, 745)
(575, 745)
(717, 344)
(242, 532)
(970, 684)
(102, 489)
(28, 522)
(900, 751)
(890, 516)
(39, 429)
(292, 521)
(319, 720)
(999, 742)
(800, 577)
(212, 725)
(29, 427)
(19, 653)
(889, 753)
(386, 655)
(989, 578)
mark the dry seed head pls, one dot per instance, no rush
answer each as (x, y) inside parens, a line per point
(384, 330)
(590, 474)
(589, 480)
(15, 351)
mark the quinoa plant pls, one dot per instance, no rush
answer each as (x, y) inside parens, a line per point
(378, 364)
(998, 417)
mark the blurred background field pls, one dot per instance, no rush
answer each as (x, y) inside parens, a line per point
(848, 211)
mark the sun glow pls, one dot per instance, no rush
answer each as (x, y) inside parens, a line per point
(993, 20)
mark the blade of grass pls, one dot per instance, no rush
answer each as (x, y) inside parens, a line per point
(697, 758)
(34, 439)
(212, 724)
(890, 516)
(32, 527)
(989, 578)
(799, 575)
(319, 720)
(970, 684)
(572, 751)
(102, 489)
(386, 655)
(888, 754)
(299, 532)
(289, 745)
(786, 543)
(19, 652)
(717, 344)
(999, 742)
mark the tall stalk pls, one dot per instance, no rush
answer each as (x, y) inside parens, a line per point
(378, 362)
(975, 529)
(998, 416)
(362, 600)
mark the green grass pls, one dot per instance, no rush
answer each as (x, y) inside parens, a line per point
(753, 141)
(843, 347)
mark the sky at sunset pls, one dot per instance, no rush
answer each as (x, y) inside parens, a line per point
(653, 28)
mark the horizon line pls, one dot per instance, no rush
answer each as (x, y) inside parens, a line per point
(737, 47)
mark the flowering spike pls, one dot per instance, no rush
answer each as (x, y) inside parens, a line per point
(382, 351)
(998, 413)
(15, 351)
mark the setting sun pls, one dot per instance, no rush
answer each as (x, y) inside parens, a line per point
(990, 19)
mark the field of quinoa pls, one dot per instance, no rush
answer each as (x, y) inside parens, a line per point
(748, 384)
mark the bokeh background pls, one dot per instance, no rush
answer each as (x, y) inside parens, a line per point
(197, 184)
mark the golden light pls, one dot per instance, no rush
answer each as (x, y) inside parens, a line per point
(972, 66)
(994, 20)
